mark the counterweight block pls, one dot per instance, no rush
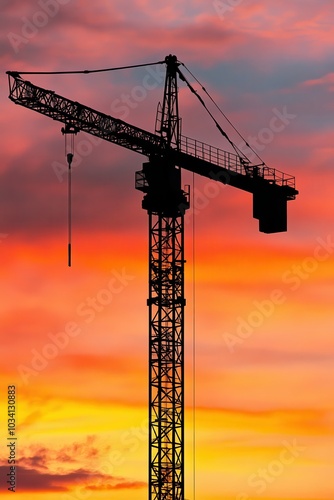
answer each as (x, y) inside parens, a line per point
(270, 207)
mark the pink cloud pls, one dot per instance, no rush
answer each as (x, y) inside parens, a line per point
(326, 80)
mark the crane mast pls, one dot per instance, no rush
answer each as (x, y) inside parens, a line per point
(166, 304)
(166, 203)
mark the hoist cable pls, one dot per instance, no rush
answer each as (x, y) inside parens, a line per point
(69, 152)
(224, 134)
(224, 115)
(69, 256)
(84, 71)
(194, 339)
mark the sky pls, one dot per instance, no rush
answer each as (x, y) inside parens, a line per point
(259, 344)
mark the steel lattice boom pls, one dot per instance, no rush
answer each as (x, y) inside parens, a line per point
(271, 188)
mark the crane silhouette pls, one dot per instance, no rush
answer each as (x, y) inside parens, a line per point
(166, 203)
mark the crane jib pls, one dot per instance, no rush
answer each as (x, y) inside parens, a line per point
(270, 187)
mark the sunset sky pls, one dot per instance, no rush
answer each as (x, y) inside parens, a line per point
(259, 316)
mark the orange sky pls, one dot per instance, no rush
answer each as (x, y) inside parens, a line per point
(262, 339)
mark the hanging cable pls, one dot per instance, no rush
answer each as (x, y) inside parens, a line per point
(224, 115)
(224, 134)
(69, 132)
(69, 252)
(84, 71)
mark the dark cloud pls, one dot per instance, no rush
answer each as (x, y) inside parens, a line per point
(37, 462)
(39, 457)
(34, 202)
(33, 480)
(29, 479)
(87, 449)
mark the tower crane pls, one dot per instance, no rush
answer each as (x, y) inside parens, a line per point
(165, 201)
